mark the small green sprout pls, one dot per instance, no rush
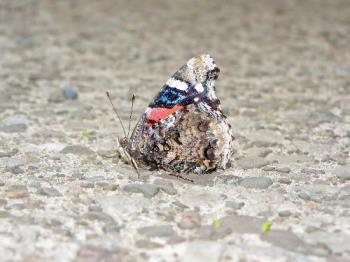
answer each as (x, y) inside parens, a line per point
(266, 227)
(216, 223)
(85, 133)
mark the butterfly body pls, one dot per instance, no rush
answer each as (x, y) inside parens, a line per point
(184, 130)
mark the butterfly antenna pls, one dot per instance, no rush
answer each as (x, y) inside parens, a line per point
(116, 112)
(131, 112)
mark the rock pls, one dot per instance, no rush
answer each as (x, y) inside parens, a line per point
(70, 93)
(147, 244)
(203, 251)
(284, 239)
(16, 170)
(92, 254)
(56, 97)
(18, 119)
(208, 232)
(111, 228)
(2, 183)
(77, 150)
(252, 162)
(242, 224)
(16, 191)
(284, 180)
(9, 154)
(234, 204)
(49, 191)
(190, 220)
(5, 214)
(17, 128)
(284, 213)
(228, 180)
(100, 216)
(148, 190)
(338, 243)
(156, 231)
(304, 196)
(166, 186)
(282, 169)
(256, 182)
(342, 173)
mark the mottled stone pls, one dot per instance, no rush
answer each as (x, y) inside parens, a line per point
(284, 239)
(256, 182)
(252, 162)
(189, 220)
(166, 186)
(234, 204)
(148, 190)
(77, 150)
(100, 216)
(342, 173)
(156, 231)
(49, 191)
(16, 128)
(70, 93)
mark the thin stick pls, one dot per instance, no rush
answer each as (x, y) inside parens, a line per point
(116, 112)
(131, 112)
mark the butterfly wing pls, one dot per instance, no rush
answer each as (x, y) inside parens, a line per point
(183, 129)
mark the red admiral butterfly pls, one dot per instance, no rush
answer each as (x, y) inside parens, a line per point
(184, 129)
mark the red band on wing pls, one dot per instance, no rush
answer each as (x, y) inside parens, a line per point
(159, 113)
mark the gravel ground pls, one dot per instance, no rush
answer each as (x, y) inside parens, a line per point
(285, 85)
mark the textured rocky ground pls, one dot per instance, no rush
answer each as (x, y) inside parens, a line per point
(285, 85)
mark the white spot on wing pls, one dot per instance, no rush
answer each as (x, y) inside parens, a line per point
(178, 84)
(199, 88)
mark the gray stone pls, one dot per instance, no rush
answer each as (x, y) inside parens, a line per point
(338, 243)
(342, 173)
(284, 180)
(228, 180)
(203, 251)
(112, 228)
(284, 239)
(100, 216)
(49, 191)
(148, 190)
(256, 182)
(190, 219)
(252, 162)
(77, 150)
(16, 170)
(17, 128)
(18, 119)
(156, 231)
(282, 169)
(304, 196)
(70, 93)
(56, 97)
(234, 204)
(208, 232)
(284, 213)
(242, 224)
(146, 244)
(166, 186)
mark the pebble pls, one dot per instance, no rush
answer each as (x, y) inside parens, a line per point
(148, 190)
(284, 239)
(16, 191)
(166, 186)
(78, 150)
(70, 93)
(190, 220)
(18, 119)
(17, 128)
(234, 204)
(284, 180)
(100, 216)
(49, 191)
(256, 182)
(252, 162)
(56, 97)
(242, 224)
(342, 173)
(304, 196)
(228, 180)
(282, 169)
(156, 231)
(147, 244)
(284, 213)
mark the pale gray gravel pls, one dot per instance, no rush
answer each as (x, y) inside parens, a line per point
(284, 85)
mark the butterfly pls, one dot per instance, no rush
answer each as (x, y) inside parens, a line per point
(183, 130)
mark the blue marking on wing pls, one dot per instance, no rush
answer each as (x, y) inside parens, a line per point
(169, 97)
